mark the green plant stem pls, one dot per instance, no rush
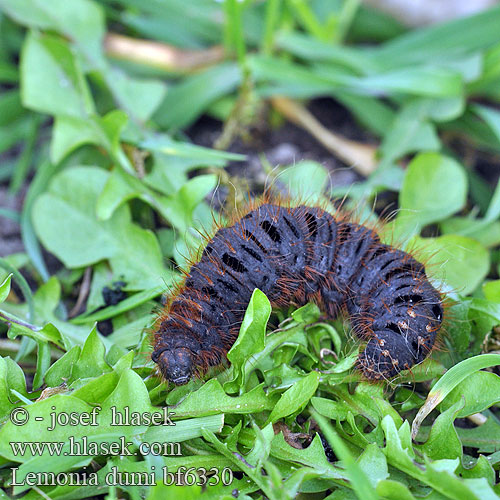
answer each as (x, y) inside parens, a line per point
(307, 18)
(273, 9)
(10, 319)
(345, 19)
(234, 40)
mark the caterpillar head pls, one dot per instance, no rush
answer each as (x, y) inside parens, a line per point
(176, 365)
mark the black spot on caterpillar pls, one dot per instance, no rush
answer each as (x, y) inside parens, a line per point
(301, 254)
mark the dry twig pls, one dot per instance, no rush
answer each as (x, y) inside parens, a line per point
(360, 156)
(161, 55)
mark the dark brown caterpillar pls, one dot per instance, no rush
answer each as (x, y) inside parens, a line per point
(300, 255)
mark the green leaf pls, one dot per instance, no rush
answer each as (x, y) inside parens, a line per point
(393, 490)
(421, 81)
(169, 173)
(42, 363)
(95, 390)
(398, 448)
(491, 290)
(485, 437)
(139, 98)
(460, 330)
(299, 81)
(188, 99)
(130, 392)
(10, 107)
(250, 339)
(312, 456)
(62, 369)
(374, 464)
(8, 73)
(487, 233)
(66, 222)
(23, 285)
(443, 441)
(334, 410)
(56, 330)
(409, 131)
(442, 42)
(5, 288)
(305, 180)
(184, 429)
(81, 21)
(52, 80)
(312, 49)
(240, 463)
(491, 116)
(49, 333)
(369, 111)
(179, 208)
(210, 399)
(485, 307)
(296, 397)
(119, 188)
(11, 378)
(424, 198)
(71, 132)
(91, 362)
(444, 109)
(368, 400)
(308, 314)
(259, 454)
(482, 469)
(478, 391)
(449, 381)
(439, 474)
(125, 305)
(289, 78)
(205, 156)
(460, 261)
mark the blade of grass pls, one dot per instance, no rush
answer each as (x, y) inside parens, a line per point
(233, 31)
(440, 42)
(125, 305)
(188, 99)
(273, 9)
(345, 19)
(307, 19)
(311, 49)
(449, 381)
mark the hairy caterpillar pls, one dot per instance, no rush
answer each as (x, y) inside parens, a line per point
(299, 254)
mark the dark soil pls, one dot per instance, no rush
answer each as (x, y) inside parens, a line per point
(287, 145)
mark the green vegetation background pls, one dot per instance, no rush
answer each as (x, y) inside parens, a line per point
(117, 193)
